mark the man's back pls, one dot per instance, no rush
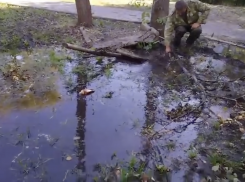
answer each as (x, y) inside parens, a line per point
(195, 9)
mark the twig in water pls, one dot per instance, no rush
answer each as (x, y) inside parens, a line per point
(89, 56)
(226, 98)
(65, 175)
(16, 157)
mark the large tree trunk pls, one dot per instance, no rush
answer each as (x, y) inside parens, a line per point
(159, 12)
(84, 13)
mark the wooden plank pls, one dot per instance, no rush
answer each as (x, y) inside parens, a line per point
(141, 36)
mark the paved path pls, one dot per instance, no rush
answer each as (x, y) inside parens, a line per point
(219, 29)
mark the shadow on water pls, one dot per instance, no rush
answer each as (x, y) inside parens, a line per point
(65, 141)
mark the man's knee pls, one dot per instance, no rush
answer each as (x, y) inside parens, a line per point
(180, 30)
(196, 31)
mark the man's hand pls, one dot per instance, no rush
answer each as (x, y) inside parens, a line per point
(168, 51)
(195, 25)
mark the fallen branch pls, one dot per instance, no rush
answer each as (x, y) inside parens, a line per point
(226, 42)
(90, 51)
(221, 97)
(227, 98)
(119, 52)
(176, 130)
(125, 52)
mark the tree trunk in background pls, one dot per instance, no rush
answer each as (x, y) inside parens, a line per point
(84, 13)
(159, 11)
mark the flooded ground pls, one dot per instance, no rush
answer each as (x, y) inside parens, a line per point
(144, 117)
(51, 133)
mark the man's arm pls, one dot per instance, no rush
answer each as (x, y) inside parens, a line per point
(204, 9)
(168, 31)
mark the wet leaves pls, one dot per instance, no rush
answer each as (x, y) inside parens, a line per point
(183, 110)
(86, 92)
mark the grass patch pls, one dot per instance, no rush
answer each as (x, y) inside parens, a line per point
(25, 27)
(28, 80)
(192, 154)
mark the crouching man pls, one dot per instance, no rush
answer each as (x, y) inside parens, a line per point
(187, 17)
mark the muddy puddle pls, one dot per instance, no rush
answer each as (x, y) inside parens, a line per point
(65, 138)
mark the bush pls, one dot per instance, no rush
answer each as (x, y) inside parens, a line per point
(226, 2)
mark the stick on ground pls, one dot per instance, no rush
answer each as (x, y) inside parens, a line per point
(118, 53)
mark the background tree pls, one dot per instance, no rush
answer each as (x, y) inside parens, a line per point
(159, 13)
(84, 13)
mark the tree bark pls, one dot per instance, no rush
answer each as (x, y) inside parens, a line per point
(84, 13)
(159, 11)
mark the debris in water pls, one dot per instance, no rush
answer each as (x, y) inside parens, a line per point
(243, 137)
(86, 92)
(76, 138)
(219, 49)
(108, 95)
(19, 57)
(68, 158)
(114, 175)
(145, 178)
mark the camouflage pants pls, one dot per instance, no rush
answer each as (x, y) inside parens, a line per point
(180, 32)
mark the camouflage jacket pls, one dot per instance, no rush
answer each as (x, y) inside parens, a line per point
(197, 12)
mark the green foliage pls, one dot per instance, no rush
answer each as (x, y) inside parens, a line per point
(145, 17)
(192, 154)
(56, 61)
(139, 3)
(162, 20)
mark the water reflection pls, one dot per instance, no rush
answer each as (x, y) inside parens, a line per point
(81, 122)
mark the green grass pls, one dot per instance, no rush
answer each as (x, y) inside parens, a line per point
(25, 27)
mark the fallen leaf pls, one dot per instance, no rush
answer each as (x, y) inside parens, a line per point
(239, 118)
(15, 78)
(242, 130)
(68, 158)
(86, 92)
(215, 168)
